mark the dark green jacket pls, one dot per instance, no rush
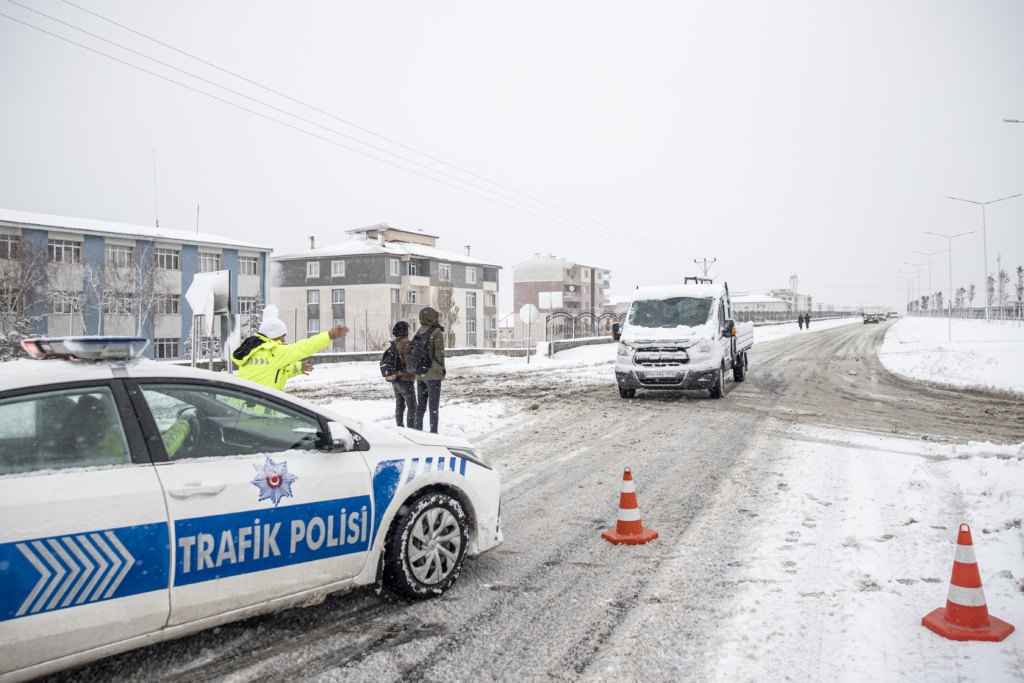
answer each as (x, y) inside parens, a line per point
(428, 319)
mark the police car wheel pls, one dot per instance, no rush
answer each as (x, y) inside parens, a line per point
(426, 547)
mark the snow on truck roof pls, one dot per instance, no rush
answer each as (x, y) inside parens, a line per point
(698, 291)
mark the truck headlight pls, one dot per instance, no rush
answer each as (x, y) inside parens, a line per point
(625, 349)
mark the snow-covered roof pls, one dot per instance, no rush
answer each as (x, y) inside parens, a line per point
(362, 247)
(670, 291)
(757, 299)
(86, 225)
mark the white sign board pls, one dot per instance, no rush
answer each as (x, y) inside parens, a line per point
(529, 314)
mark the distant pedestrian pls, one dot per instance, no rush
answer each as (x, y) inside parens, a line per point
(428, 385)
(402, 381)
(800, 321)
(807, 321)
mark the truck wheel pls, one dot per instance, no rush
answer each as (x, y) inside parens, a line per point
(739, 369)
(627, 393)
(425, 547)
(719, 388)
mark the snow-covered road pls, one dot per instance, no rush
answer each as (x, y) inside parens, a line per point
(807, 521)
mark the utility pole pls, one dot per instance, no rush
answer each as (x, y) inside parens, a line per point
(705, 265)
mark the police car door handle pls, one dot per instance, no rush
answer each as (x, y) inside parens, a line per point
(203, 489)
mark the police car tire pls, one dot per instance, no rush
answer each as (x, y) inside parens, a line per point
(436, 524)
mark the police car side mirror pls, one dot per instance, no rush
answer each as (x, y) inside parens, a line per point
(341, 438)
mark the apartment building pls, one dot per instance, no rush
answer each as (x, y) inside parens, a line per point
(381, 275)
(78, 276)
(553, 283)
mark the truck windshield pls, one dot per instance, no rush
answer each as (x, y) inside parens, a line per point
(672, 312)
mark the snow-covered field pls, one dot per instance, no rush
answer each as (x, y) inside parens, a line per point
(853, 545)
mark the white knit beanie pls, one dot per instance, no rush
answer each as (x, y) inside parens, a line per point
(272, 328)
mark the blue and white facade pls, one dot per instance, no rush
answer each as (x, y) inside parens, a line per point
(80, 276)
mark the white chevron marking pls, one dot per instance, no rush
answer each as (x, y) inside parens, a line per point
(44, 577)
(86, 564)
(129, 562)
(100, 563)
(58, 571)
(115, 564)
(75, 570)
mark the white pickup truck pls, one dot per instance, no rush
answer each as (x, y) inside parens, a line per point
(681, 337)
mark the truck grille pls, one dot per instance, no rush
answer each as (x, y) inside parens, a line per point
(657, 357)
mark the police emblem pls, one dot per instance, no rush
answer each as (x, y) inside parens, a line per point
(274, 481)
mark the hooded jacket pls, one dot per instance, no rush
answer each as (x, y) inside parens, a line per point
(271, 363)
(435, 345)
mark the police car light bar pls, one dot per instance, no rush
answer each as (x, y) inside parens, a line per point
(85, 348)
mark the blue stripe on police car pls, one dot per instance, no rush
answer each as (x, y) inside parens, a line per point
(45, 574)
(208, 548)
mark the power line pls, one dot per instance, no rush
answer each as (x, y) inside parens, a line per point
(610, 233)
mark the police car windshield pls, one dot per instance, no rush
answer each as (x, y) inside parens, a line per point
(673, 312)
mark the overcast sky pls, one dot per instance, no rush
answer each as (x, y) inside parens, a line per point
(816, 139)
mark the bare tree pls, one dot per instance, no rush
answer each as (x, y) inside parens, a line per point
(990, 290)
(924, 303)
(444, 302)
(959, 298)
(22, 283)
(1019, 287)
(938, 301)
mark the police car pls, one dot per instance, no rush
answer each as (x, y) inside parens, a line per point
(143, 501)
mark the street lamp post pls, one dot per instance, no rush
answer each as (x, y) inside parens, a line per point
(910, 287)
(919, 266)
(930, 292)
(949, 323)
(984, 239)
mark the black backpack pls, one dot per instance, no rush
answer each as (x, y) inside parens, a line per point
(389, 361)
(417, 353)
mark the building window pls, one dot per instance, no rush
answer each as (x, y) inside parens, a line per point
(165, 348)
(337, 296)
(63, 304)
(492, 300)
(339, 321)
(411, 296)
(168, 305)
(312, 296)
(470, 325)
(119, 255)
(313, 326)
(394, 267)
(470, 299)
(444, 272)
(10, 302)
(312, 269)
(395, 296)
(492, 323)
(471, 274)
(246, 304)
(337, 269)
(119, 303)
(412, 267)
(208, 263)
(248, 265)
(168, 259)
(64, 251)
(10, 246)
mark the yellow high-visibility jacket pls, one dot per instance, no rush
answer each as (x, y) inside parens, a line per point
(272, 363)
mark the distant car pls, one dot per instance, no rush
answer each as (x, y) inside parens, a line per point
(873, 318)
(142, 501)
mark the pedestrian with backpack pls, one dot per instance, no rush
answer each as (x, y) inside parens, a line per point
(402, 381)
(424, 357)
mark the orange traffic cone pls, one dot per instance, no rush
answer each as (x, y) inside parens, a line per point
(965, 616)
(629, 529)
